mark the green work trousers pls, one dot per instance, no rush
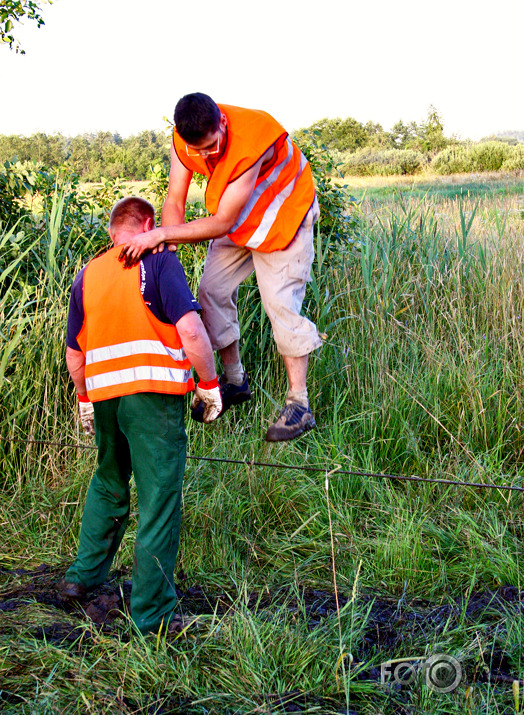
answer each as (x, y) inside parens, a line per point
(143, 434)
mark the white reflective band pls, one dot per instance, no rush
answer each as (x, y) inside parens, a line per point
(260, 235)
(268, 181)
(133, 347)
(132, 374)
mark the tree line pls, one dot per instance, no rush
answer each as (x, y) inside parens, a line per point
(107, 155)
(356, 147)
(349, 135)
(91, 156)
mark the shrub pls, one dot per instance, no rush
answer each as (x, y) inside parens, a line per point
(489, 156)
(515, 160)
(486, 156)
(453, 160)
(16, 181)
(384, 163)
(336, 224)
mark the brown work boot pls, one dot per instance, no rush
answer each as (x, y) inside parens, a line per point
(71, 591)
(293, 420)
(180, 624)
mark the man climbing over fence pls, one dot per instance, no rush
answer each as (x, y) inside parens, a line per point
(132, 337)
(261, 198)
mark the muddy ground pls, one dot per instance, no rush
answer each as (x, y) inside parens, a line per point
(393, 624)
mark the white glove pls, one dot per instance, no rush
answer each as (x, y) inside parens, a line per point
(87, 415)
(212, 400)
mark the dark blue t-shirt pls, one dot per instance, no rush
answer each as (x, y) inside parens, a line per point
(163, 285)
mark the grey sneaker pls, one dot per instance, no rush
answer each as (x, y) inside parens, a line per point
(291, 422)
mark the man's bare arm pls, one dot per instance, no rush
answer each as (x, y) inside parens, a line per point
(196, 345)
(75, 360)
(233, 200)
(173, 211)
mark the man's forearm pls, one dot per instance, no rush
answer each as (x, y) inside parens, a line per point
(172, 214)
(76, 365)
(201, 229)
(197, 346)
(201, 358)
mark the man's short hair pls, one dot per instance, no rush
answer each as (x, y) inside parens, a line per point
(196, 115)
(131, 211)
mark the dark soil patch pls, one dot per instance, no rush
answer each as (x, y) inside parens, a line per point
(393, 624)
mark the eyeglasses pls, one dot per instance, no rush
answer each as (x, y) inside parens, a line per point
(203, 152)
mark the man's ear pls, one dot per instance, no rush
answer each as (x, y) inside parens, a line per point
(223, 122)
(149, 223)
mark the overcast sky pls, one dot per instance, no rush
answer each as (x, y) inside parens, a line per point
(121, 65)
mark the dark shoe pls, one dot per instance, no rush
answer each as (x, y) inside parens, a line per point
(291, 422)
(231, 395)
(72, 591)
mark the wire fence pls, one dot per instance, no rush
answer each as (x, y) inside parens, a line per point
(304, 468)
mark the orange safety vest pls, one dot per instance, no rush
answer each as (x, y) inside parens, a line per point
(284, 190)
(127, 349)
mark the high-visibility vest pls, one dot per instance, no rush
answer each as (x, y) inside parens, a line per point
(127, 349)
(284, 191)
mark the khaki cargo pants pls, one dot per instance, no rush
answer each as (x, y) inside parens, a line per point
(281, 276)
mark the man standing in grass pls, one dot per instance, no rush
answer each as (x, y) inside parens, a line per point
(261, 198)
(132, 337)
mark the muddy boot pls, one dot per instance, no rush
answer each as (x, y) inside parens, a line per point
(71, 591)
(293, 420)
(178, 625)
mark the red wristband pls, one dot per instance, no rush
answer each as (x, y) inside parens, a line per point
(208, 385)
(83, 398)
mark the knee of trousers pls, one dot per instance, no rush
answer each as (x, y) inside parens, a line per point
(219, 315)
(214, 292)
(294, 334)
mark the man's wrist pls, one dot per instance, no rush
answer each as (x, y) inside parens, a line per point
(209, 385)
(82, 398)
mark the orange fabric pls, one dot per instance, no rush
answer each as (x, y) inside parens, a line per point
(134, 353)
(284, 191)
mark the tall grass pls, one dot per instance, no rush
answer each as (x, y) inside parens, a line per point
(421, 373)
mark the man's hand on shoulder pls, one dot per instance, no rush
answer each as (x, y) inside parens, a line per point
(135, 247)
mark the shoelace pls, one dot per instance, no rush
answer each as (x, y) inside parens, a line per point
(295, 412)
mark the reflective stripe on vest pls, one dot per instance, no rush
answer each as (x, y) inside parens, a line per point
(270, 214)
(134, 374)
(133, 347)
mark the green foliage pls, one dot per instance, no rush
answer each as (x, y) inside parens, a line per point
(427, 137)
(338, 223)
(515, 159)
(369, 162)
(16, 180)
(433, 132)
(92, 156)
(340, 134)
(453, 160)
(158, 183)
(14, 11)
(403, 135)
(486, 156)
(489, 156)
(511, 138)
(349, 136)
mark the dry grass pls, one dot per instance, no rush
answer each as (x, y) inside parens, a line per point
(428, 177)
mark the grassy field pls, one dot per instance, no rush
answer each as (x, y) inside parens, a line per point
(305, 582)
